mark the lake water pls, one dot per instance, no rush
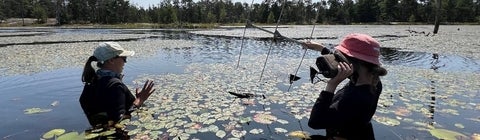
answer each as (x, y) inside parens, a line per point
(193, 74)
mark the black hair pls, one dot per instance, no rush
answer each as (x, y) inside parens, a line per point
(373, 69)
(89, 75)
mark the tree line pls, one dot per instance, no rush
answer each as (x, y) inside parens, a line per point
(226, 11)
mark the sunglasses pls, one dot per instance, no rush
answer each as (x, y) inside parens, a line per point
(123, 57)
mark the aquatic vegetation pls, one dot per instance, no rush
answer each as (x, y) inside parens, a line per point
(299, 134)
(193, 102)
(52, 133)
(36, 110)
(447, 134)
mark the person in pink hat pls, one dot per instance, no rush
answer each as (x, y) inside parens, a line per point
(105, 99)
(347, 112)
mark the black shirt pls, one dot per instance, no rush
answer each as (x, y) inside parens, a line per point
(109, 101)
(347, 113)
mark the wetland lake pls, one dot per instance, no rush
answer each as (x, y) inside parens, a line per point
(193, 71)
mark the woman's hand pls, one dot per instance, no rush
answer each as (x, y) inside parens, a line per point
(143, 95)
(313, 46)
(344, 71)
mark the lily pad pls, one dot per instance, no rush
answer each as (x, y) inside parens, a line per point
(264, 118)
(54, 132)
(458, 125)
(256, 131)
(36, 110)
(386, 121)
(238, 134)
(299, 134)
(220, 134)
(447, 134)
(70, 136)
(281, 130)
(245, 119)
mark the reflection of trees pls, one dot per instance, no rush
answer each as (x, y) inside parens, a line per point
(431, 106)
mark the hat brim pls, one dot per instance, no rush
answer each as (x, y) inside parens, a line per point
(360, 56)
(127, 53)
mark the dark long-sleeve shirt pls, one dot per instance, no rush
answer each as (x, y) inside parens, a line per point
(347, 113)
(109, 101)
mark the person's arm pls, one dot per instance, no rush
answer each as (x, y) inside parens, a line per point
(317, 47)
(322, 115)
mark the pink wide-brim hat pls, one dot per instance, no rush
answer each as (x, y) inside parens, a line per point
(361, 46)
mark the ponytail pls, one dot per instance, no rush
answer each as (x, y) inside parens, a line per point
(89, 75)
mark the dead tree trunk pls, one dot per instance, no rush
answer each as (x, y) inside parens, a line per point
(437, 16)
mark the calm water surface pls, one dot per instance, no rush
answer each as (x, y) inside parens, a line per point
(20, 92)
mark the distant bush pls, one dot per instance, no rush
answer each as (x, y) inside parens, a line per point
(40, 14)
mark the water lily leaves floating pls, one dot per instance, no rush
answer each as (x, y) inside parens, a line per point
(447, 134)
(220, 134)
(256, 131)
(299, 134)
(238, 133)
(245, 120)
(264, 118)
(282, 121)
(91, 135)
(458, 125)
(36, 110)
(54, 132)
(70, 136)
(209, 121)
(402, 111)
(386, 121)
(281, 130)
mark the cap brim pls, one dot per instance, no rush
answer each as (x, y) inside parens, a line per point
(127, 53)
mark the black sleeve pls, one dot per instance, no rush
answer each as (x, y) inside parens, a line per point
(343, 112)
(325, 50)
(321, 113)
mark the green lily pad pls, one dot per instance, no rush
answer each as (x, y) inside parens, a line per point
(245, 119)
(70, 136)
(91, 135)
(299, 134)
(36, 110)
(447, 134)
(54, 132)
(220, 134)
